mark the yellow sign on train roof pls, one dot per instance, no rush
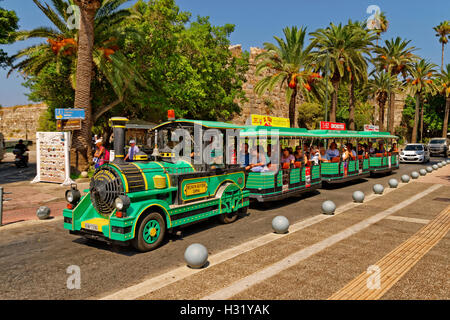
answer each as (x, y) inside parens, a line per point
(268, 121)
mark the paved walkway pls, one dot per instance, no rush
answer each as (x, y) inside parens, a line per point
(26, 198)
(393, 246)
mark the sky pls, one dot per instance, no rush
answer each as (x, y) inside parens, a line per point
(257, 21)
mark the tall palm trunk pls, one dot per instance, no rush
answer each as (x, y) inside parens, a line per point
(292, 109)
(416, 119)
(334, 98)
(351, 106)
(447, 110)
(421, 122)
(391, 112)
(82, 138)
(442, 58)
(381, 106)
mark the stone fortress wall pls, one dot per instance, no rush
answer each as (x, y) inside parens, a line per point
(21, 122)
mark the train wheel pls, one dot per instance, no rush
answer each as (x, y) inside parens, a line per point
(231, 195)
(150, 233)
(226, 218)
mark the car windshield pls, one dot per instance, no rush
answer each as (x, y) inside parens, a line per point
(414, 147)
(437, 141)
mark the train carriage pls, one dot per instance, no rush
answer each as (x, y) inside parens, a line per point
(139, 202)
(280, 182)
(338, 170)
(387, 161)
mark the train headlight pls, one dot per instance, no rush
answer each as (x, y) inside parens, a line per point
(73, 196)
(122, 203)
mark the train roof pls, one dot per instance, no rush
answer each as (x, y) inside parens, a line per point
(253, 131)
(352, 134)
(206, 124)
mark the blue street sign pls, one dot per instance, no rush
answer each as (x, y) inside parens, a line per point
(68, 114)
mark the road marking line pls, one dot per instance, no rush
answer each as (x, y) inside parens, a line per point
(150, 285)
(158, 282)
(408, 219)
(293, 259)
(398, 262)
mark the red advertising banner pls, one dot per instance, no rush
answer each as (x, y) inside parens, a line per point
(326, 125)
(307, 177)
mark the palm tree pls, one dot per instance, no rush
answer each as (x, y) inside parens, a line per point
(395, 58)
(380, 25)
(65, 45)
(362, 43)
(442, 30)
(420, 83)
(288, 64)
(341, 48)
(444, 87)
(380, 87)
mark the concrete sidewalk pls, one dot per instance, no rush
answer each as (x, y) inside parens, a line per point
(26, 198)
(441, 176)
(321, 257)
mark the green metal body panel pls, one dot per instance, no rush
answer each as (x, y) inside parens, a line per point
(193, 208)
(265, 185)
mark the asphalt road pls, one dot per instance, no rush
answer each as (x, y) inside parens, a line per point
(10, 174)
(34, 259)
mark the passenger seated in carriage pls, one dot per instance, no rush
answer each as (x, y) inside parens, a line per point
(381, 148)
(345, 153)
(287, 159)
(394, 148)
(361, 151)
(315, 155)
(333, 152)
(351, 150)
(299, 155)
(245, 155)
(259, 160)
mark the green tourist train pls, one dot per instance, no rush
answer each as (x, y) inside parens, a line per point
(140, 202)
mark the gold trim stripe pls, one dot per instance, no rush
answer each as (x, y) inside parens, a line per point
(398, 262)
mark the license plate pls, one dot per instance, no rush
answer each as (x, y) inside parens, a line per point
(91, 226)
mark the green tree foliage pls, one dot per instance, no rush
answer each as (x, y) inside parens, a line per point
(53, 87)
(288, 64)
(8, 24)
(187, 65)
(432, 119)
(310, 114)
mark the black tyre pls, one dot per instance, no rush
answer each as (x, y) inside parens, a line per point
(227, 218)
(149, 233)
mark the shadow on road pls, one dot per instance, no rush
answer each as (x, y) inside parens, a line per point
(272, 205)
(9, 173)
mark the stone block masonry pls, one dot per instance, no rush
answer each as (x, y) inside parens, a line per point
(273, 103)
(20, 122)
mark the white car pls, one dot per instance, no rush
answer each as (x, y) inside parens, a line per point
(415, 152)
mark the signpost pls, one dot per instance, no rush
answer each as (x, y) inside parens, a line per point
(69, 114)
(326, 125)
(371, 127)
(268, 121)
(68, 125)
